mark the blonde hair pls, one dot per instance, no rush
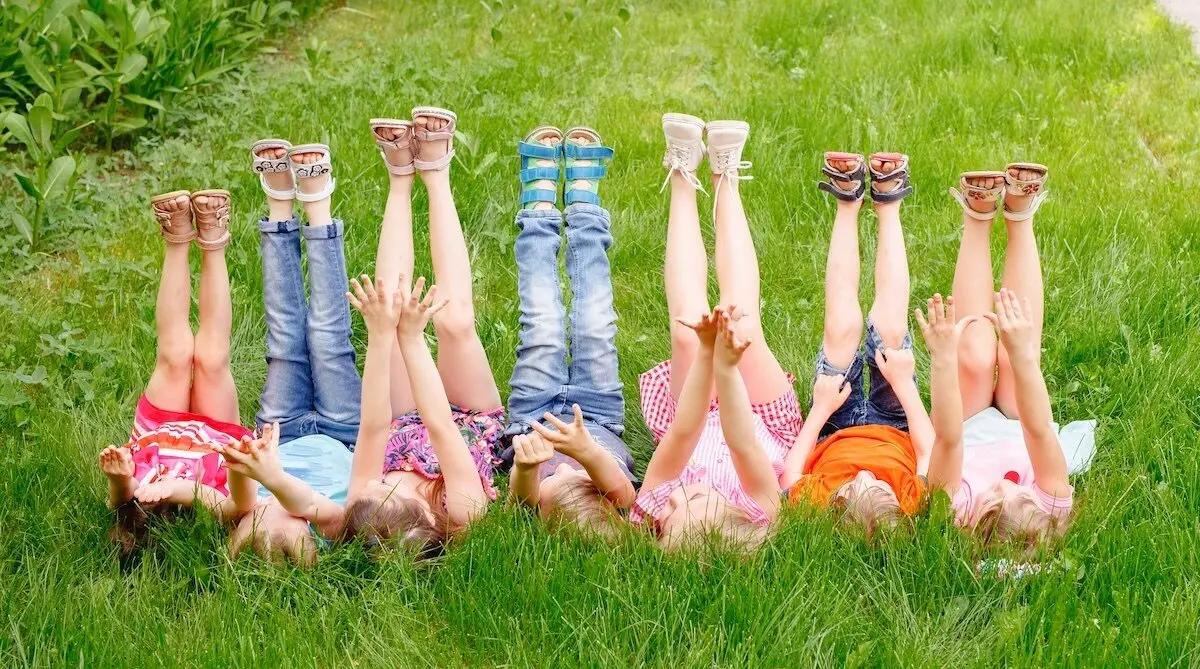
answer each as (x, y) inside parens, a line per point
(1018, 518)
(396, 521)
(274, 545)
(579, 502)
(868, 506)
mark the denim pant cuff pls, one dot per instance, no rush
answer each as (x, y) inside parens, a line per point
(540, 213)
(331, 231)
(586, 208)
(265, 224)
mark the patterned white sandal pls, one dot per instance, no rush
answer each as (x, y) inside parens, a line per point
(214, 217)
(405, 141)
(1035, 187)
(978, 194)
(171, 220)
(423, 135)
(310, 170)
(265, 166)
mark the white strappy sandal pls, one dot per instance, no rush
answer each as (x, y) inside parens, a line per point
(978, 194)
(310, 170)
(1035, 187)
(404, 142)
(265, 166)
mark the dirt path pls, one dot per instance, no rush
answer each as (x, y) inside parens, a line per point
(1186, 12)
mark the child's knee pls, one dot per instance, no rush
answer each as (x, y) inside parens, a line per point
(455, 321)
(210, 360)
(175, 359)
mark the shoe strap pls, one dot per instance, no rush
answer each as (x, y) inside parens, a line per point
(404, 142)
(591, 174)
(976, 193)
(213, 219)
(1028, 212)
(901, 191)
(857, 178)
(265, 166)
(311, 170)
(289, 194)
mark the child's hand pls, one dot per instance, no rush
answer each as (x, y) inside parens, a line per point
(830, 393)
(257, 458)
(378, 305)
(163, 490)
(941, 332)
(897, 365)
(530, 450)
(571, 439)
(415, 313)
(705, 327)
(1016, 330)
(730, 347)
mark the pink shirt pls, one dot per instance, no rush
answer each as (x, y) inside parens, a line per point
(986, 465)
(776, 425)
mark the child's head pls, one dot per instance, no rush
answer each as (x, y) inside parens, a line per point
(866, 501)
(1010, 512)
(382, 515)
(275, 535)
(695, 512)
(569, 496)
(133, 524)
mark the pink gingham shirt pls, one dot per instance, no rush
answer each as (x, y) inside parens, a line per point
(776, 426)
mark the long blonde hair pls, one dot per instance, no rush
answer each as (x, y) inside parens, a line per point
(1018, 518)
(736, 528)
(580, 503)
(868, 506)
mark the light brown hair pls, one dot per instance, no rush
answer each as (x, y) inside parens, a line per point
(401, 522)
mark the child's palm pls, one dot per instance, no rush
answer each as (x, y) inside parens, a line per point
(378, 305)
(415, 312)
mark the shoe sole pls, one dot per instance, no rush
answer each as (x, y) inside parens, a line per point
(686, 119)
(728, 125)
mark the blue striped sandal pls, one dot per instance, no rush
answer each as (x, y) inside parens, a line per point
(541, 164)
(587, 163)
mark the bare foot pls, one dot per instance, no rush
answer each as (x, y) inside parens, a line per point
(278, 180)
(153, 493)
(434, 149)
(1020, 202)
(547, 137)
(399, 157)
(974, 201)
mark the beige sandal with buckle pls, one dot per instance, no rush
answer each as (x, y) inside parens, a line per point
(978, 193)
(423, 135)
(1035, 187)
(405, 141)
(214, 216)
(171, 221)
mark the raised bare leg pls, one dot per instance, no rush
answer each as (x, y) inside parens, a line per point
(462, 361)
(737, 264)
(394, 259)
(973, 290)
(889, 311)
(1023, 275)
(169, 387)
(213, 391)
(843, 313)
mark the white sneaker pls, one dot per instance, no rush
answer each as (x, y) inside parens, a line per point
(685, 147)
(726, 139)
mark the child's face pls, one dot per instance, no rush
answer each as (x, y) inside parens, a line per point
(563, 476)
(394, 491)
(277, 534)
(1017, 500)
(692, 509)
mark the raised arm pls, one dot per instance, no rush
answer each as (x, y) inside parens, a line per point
(573, 440)
(942, 334)
(829, 394)
(898, 366)
(1033, 400)
(524, 484)
(465, 497)
(677, 445)
(753, 467)
(259, 460)
(380, 309)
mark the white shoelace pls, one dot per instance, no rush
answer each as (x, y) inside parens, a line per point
(722, 164)
(676, 160)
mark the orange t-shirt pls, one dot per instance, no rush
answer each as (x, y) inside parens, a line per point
(880, 449)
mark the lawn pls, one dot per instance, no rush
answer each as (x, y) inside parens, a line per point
(1106, 92)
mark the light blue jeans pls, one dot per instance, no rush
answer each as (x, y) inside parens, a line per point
(312, 385)
(543, 379)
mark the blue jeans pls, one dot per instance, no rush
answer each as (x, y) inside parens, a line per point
(312, 385)
(879, 406)
(543, 379)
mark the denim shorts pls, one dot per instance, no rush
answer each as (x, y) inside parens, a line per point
(877, 406)
(607, 439)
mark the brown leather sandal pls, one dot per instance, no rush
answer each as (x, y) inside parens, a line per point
(172, 221)
(213, 217)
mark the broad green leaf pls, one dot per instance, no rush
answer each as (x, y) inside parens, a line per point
(27, 185)
(34, 378)
(57, 176)
(55, 10)
(23, 226)
(131, 66)
(137, 99)
(126, 126)
(36, 68)
(96, 24)
(64, 140)
(141, 24)
(19, 128)
(41, 124)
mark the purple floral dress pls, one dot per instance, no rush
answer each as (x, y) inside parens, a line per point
(409, 449)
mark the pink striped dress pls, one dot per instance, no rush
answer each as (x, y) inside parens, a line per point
(178, 445)
(776, 425)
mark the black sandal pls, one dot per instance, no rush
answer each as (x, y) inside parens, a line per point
(857, 177)
(899, 192)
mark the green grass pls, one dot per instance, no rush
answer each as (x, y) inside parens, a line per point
(1104, 91)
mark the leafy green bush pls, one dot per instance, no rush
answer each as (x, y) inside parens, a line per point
(97, 72)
